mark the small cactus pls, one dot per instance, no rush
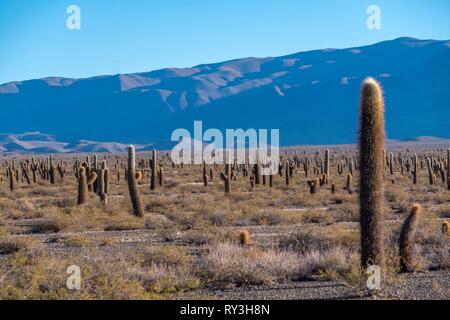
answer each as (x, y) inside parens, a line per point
(244, 237)
(349, 184)
(407, 240)
(446, 228)
(313, 184)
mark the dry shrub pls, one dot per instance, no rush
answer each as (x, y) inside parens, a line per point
(265, 218)
(122, 222)
(170, 256)
(231, 265)
(18, 209)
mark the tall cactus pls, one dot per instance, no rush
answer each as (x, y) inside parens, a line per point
(327, 164)
(205, 175)
(101, 185)
(287, 175)
(226, 177)
(415, 169)
(349, 184)
(12, 179)
(96, 170)
(391, 164)
(431, 177)
(448, 169)
(138, 209)
(51, 168)
(371, 149)
(82, 187)
(153, 171)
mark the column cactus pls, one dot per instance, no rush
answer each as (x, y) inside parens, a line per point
(51, 170)
(391, 164)
(431, 177)
(82, 187)
(349, 184)
(415, 169)
(101, 183)
(138, 209)
(160, 176)
(448, 169)
(407, 240)
(226, 177)
(287, 174)
(95, 169)
(205, 175)
(153, 171)
(12, 179)
(371, 198)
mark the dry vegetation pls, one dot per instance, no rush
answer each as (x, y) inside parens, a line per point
(194, 239)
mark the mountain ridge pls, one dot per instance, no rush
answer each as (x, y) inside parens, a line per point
(311, 96)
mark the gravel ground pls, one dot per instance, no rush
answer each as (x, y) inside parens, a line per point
(428, 285)
(419, 286)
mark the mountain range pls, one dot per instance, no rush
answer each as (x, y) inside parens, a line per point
(312, 97)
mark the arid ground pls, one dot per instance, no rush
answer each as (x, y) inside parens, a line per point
(301, 246)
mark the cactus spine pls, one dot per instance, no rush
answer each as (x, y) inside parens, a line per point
(407, 240)
(138, 210)
(371, 149)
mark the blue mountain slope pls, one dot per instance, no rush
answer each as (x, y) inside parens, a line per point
(312, 97)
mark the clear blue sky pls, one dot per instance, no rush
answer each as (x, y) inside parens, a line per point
(120, 36)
